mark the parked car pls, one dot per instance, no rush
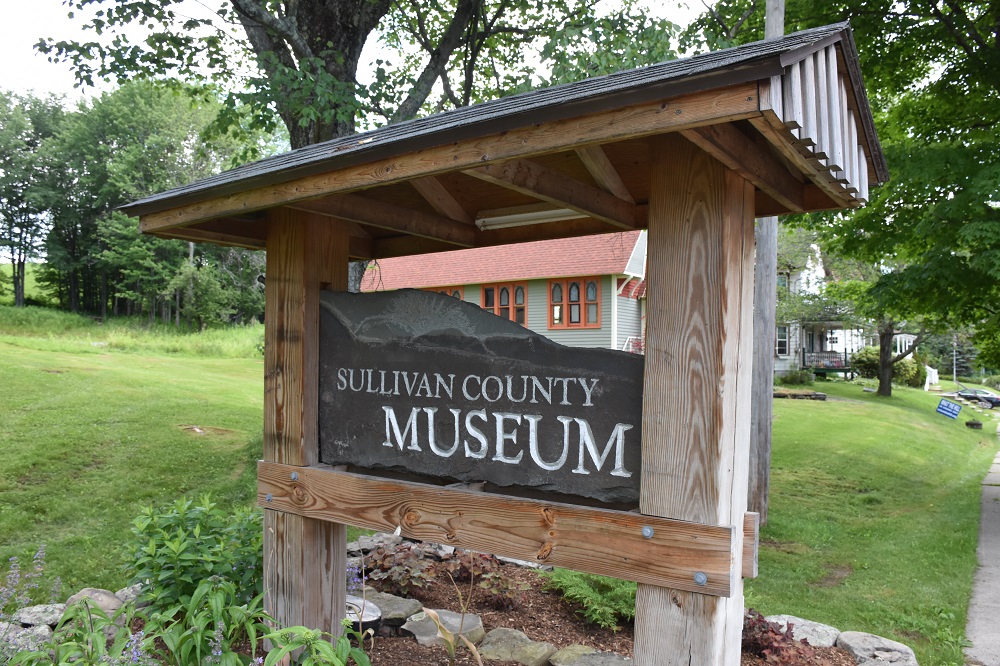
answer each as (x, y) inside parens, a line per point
(985, 398)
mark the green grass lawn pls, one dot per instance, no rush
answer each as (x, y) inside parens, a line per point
(874, 504)
(874, 515)
(89, 435)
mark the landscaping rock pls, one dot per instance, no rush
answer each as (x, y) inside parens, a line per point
(422, 627)
(21, 638)
(103, 599)
(569, 656)
(44, 615)
(395, 610)
(816, 634)
(513, 645)
(370, 543)
(128, 594)
(871, 649)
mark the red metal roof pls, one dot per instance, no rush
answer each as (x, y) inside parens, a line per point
(569, 257)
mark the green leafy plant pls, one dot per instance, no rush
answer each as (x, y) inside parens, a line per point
(87, 636)
(399, 569)
(776, 646)
(316, 646)
(603, 601)
(211, 623)
(177, 546)
(796, 377)
(500, 592)
(464, 565)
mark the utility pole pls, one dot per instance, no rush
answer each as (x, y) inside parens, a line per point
(764, 327)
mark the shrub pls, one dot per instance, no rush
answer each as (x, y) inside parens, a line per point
(211, 623)
(865, 362)
(465, 565)
(603, 601)
(767, 640)
(500, 592)
(993, 381)
(907, 372)
(177, 546)
(398, 569)
(796, 377)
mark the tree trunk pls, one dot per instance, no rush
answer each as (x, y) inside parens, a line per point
(886, 332)
(19, 274)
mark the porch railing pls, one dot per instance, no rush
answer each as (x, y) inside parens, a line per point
(636, 345)
(826, 360)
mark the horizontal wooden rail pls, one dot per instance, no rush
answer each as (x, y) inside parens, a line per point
(611, 543)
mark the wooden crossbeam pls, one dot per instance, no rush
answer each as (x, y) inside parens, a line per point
(438, 196)
(557, 188)
(604, 172)
(610, 543)
(737, 151)
(390, 216)
(736, 102)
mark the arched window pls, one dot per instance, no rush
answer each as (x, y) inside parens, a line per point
(581, 307)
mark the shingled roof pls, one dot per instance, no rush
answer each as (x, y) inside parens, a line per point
(607, 254)
(789, 114)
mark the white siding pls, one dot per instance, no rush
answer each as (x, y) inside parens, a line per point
(629, 319)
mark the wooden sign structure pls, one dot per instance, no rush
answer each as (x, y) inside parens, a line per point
(691, 149)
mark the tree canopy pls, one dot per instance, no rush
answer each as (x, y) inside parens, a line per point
(932, 71)
(300, 58)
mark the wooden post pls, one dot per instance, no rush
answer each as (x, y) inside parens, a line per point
(304, 558)
(764, 331)
(696, 401)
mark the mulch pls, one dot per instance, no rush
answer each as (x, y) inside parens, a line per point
(543, 615)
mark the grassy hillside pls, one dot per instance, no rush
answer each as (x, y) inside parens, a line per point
(89, 436)
(874, 516)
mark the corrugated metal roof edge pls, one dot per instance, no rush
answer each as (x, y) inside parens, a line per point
(344, 151)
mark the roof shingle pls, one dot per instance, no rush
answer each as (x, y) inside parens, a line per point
(606, 254)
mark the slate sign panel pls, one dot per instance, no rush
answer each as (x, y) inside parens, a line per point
(425, 383)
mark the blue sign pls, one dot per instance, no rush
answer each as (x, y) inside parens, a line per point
(949, 408)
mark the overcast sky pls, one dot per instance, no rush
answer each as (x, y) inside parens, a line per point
(26, 21)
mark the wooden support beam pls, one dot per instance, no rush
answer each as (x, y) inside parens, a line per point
(384, 215)
(557, 188)
(304, 559)
(737, 151)
(698, 352)
(604, 172)
(600, 541)
(736, 102)
(438, 196)
(751, 543)
(818, 174)
(219, 238)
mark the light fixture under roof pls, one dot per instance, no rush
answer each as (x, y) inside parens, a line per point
(519, 216)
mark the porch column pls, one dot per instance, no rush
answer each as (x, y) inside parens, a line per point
(696, 404)
(304, 558)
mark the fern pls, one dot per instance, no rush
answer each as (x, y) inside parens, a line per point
(603, 601)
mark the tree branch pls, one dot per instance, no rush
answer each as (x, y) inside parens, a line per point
(438, 63)
(283, 28)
